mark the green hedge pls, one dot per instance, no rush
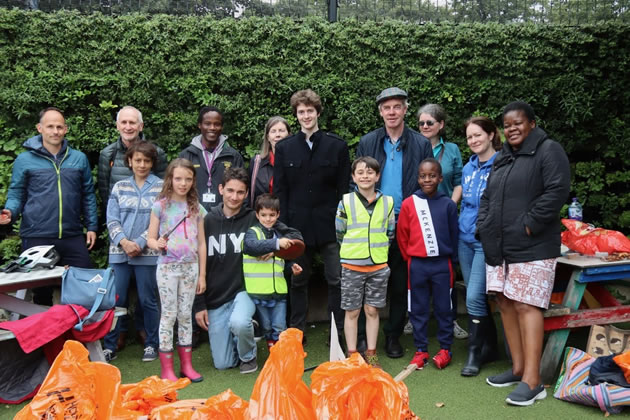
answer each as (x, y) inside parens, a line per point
(575, 77)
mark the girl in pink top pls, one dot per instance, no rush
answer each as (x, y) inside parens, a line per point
(176, 230)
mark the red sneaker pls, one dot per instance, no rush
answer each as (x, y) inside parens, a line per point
(442, 359)
(420, 359)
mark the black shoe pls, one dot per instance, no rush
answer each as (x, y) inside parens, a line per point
(304, 340)
(393, 349)
(258, 332)
(523, 396)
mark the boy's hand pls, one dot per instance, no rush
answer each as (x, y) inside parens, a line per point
(201, 285)
(202, 319)
(265, 257)
(296, 269)
(285, 243)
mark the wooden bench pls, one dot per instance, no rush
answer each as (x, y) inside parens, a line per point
(560, 319)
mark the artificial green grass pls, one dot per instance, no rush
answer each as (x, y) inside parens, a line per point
(462, 398)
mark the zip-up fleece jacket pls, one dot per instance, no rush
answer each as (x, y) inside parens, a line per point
(474, 180)
(54, 195)
(432, 233)
(112, 168)
(228, 157)
(527, 188)
(415, 148)
(224, 262)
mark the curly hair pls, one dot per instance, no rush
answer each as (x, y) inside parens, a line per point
(192, 198)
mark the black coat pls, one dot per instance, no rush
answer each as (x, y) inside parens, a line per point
(415, 149)
(526, 187)
(261, 184)
(310, 183)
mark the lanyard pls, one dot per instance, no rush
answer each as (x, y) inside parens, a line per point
(209, 159)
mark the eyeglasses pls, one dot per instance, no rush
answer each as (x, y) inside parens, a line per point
(429, 123)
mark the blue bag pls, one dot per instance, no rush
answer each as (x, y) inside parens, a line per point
(94, 289)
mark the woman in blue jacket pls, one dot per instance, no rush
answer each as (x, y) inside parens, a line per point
(484, 140)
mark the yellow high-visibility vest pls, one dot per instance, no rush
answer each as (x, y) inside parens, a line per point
(366, 235)
(264, 277)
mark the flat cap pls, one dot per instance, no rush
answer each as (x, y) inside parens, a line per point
(390, 93)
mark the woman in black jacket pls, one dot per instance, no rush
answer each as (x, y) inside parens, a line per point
(261, 165)
(519, 228)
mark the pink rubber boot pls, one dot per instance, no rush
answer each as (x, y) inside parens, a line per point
(166, 362)
(185, 363)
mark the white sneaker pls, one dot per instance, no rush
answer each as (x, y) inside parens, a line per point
(459, 332)
(408, 328)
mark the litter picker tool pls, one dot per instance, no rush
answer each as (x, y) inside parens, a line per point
(171, 230)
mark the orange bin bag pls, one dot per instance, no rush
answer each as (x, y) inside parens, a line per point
(588, 240)
(180, 410)
(149, 393)
(279, 392)
(352, 389)
(75, 388)
(225, 406)
(623, 361)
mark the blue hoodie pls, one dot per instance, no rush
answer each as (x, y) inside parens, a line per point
(474, 179)
(55, 195)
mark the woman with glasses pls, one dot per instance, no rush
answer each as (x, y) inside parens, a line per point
(431, 119)
(484, 140)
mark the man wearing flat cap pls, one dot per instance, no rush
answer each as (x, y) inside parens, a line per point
(399, 150)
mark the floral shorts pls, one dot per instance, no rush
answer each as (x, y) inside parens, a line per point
(529, 282)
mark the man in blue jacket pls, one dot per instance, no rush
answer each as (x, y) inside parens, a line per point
(399, 150)
(51, 187)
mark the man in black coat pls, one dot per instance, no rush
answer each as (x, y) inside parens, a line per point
(311, 174)
(399, 150)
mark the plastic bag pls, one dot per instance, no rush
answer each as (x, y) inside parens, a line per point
(352, 389)
(279, 392)
(623, 361)
(224, 406)
(588, 240)
(149, 393)
(75, 388)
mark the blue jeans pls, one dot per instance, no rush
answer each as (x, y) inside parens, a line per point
(147, 299)
(473, 265)
(273, 320)
(231, 332)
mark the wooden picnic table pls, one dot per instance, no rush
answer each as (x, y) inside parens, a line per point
(586, 271)
(20, 282)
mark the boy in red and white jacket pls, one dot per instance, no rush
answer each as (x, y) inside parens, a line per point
(427, 235)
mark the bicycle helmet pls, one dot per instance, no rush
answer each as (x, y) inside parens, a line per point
(37, 257)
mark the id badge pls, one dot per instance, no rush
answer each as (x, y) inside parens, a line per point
(209, 198)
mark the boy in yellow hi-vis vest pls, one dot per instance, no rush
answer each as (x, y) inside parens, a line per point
(263, 271)
(365, 225)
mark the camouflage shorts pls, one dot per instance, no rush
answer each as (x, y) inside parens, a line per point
(355, 285)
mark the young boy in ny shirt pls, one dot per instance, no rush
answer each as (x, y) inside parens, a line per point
(264, 272)
(365, 225)
(427, 234)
